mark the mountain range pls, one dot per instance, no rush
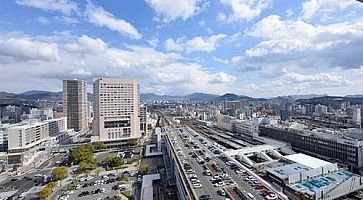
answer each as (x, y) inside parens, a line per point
(34, 95)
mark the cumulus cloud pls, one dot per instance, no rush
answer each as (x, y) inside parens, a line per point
(100, 17)
(243, 10)
(64, 6)
(26, 48)
(325, 79)
(222, 77)
(307, 45)
(168, 11)
(312, 8)
(85, 57)
(206, 44)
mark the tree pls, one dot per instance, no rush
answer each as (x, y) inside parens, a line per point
(59, 173)
(44, 193)
(113, 162)
(144, 168)
(99, 146)
(132, 142)
(52, 186)
(82, 153)
(87, 165)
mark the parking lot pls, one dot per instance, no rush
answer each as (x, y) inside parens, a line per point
(98, 188)
(205, 158)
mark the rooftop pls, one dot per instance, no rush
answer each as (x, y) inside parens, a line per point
(307, 160)
(311, 186)
(286, 170)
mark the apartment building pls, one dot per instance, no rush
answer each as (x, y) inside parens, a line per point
(75, 104)
(116, 111)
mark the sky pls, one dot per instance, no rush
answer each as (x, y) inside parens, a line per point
(259, 48)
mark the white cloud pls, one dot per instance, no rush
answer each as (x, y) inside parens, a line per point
(306, 44)
(64, 6)
(220, 60)
(25, 48)
(86, 57)
(171, 10)
(325, 79)
(312, 8)
(222, 77)
(57, 19)
(81, 72)
(206, 44)
(244, 10)
(100, 17)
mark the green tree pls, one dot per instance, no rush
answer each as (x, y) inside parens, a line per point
(113, 162)
(144, 168)
(59, 173)
(44, 193)
(82, 153)
(132, 142)
(52, 186)
(85, 165)
(98, 146)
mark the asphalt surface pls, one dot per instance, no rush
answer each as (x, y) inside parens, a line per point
(208, 187)
(235, 177)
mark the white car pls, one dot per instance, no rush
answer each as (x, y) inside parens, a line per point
(214, 178)
(197, 185)
(221, 192)
(218, 184)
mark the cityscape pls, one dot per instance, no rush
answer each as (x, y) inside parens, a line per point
(181, 100)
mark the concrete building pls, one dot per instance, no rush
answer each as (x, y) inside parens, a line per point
(75, 104)
(357, 116)
(284, 115)
(116, 111)
(143, 119)
(346, 147)
(26, 140)
(307, 177)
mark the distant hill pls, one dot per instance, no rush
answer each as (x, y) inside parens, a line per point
(232, 97)
(34, 95)
(355, 96)
(191, 97)
(334, 101)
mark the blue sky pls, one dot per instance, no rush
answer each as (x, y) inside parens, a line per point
(259, 48)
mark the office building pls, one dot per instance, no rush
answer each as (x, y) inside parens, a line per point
(116, 111)
(346, 147)
(284, 115)
(75, 104)
(356, 115)
(26, 140)
(143, 119)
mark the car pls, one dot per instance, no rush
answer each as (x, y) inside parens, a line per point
(193, 176)
(205, 197)
(139, 178)
(229, 163)
(215, 178)
(207, 173)
(221, 192)
(197, 185)
(189, 171)
(194, 180)
(218, 184)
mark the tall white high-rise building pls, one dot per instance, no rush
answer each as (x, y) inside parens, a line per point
(356, 115)
(75, 104)
(116, 111)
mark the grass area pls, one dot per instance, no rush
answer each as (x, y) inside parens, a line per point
(123, 180)
(127, 193)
